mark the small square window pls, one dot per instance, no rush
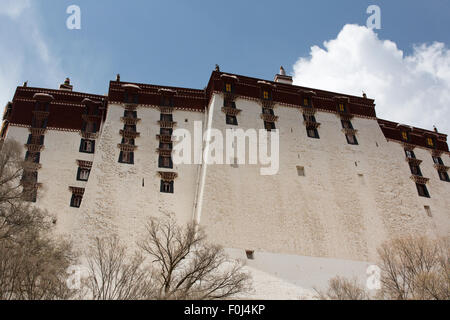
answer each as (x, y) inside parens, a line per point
(232, 120)
(165, 146)
(75, 201)
(165, 162)
(351, 139)
(306, 102)
(312, 133)
(129, 141)
(165, 131)
(443, 175)
(87, 146)
(415, 170)
(32, 139)
(422, 190)
(405, 135)
(250, 254)
(126, 157)
(438, 160)
(309, 118)
(267, 111)
(166, 186)
(428, 211)
(410, 154)
(129, 128)
(300, 171)
(347, 124)
(130, 114)
(83, 174)
(166, 117)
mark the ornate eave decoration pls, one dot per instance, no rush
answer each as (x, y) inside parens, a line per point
(77, 191)
(229, 76)
(89, 135)
(408, 146)
(131, 121)
(166, 124)
(349, 131)
(167, 92)
(84, 164)
(164, 138)
(309, 94)
(131, 87)
(269, 117)
(269, 104)
(230, 96)
(308, 111)
(441, 167)
(37, 131)
(164, 152)
(419, 179)
(263, 83)
(87, 101)
(126, 147)
(34, 147)
(43, 97)
(436, 153)
(231, 111)
(311, 124)
(345, 115)
(130, 106)
(168, 176)
(165, 109)
(129, 134)
(413, 161)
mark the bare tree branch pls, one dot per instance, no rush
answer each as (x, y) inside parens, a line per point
(186, 266)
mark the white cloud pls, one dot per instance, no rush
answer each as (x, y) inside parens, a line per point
(24, 50)
(412, 89)
(14, 8)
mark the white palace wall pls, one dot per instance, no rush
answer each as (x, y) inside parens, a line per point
(302, 229)
(120, 198)
(351, 198)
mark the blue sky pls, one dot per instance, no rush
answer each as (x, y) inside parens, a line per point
(178, 43)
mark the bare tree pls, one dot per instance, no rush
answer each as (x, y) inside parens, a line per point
(33, 262)
(34, 268)
(115, 276)
(415, 267)
(187, 267)
(412, 267)
(16, 215)
(340, 288)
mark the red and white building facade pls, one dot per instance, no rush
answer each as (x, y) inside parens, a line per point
(347, 180)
